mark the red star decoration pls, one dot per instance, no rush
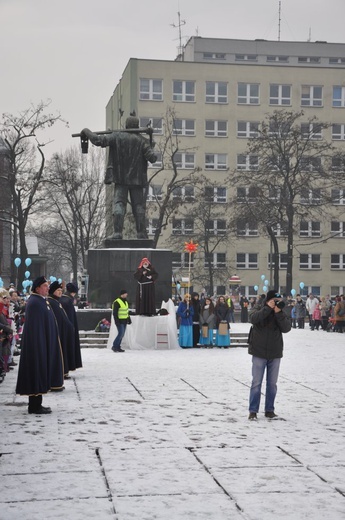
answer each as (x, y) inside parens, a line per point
(190, 247)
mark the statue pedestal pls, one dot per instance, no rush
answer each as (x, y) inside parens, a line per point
(112, 269)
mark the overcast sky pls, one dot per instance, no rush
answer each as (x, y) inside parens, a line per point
(74, 51)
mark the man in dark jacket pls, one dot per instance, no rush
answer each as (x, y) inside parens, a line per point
(266, 347)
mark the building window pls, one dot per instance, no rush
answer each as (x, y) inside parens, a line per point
(247, 195)
(217, 260)
(283, 260)
(184, 127)
(309, 261)
(216, 92)
(156, 124)
(216, 161)
(309, 59)
(247, 129)
(310, 164)
(247, 162)
(279, 59)
(248, 93)
(311, 96)
(312, 131)
(214, 56)
(338, 262)
(337, 61)
(338, 197)
(184, 91)
(247, 261)
(215, 194)
(184, 193)
(151, 227)
(159, 161)
(183, 226)
(154, 193)
(309, 229)
(216, 227)
(337, 164)
(246, 57)
(216, 128)
(338, 229)
(184, 160)
(280, 94)
(338, 132)
(280, 230)
(310, 196)
(338, 96)
(181, 260)
(247, 229)
(151, 89)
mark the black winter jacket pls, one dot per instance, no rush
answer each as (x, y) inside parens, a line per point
(266, 338)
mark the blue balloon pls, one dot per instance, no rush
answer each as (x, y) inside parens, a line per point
(293, 292)
(17, 262)
(263, 277)
(28, 262)
(1, 283)
(27, 274)
(256, 287)
(266, 282)
(264, 288)
(59, 280)
(301, 285)
(52, 279)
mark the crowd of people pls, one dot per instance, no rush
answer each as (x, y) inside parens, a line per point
(49, 347)
(198, 317)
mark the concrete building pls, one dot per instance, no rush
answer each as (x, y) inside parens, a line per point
(220, 89)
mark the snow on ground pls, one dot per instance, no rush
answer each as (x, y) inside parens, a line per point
(164, 435)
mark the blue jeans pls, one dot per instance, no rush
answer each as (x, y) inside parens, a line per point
(121, 329)
(272, 371)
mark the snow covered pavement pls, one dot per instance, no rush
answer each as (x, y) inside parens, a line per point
(164, 435)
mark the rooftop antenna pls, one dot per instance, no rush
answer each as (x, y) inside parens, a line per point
(279, 19)
(180, 24)
(309, 39)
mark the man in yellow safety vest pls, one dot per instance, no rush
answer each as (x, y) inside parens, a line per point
(121, 318)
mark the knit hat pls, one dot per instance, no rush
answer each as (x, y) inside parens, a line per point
(272, 294)
(123, 291)
(72, 287)
(40, 280)
(54, 286)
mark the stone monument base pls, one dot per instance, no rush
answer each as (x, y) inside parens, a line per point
(112, 269)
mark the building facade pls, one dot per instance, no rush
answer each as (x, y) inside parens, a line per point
(219, 91)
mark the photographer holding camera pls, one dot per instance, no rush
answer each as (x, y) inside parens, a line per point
(265, 340)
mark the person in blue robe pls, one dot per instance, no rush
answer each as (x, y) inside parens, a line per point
(41, 362)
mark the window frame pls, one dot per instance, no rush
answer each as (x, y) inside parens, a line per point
(281, 100)
(182, 97)
(216, 97)
(248, 98)
(150, 94)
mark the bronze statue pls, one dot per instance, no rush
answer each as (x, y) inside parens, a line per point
(129, 153)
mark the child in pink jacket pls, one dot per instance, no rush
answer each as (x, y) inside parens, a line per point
(317, 318)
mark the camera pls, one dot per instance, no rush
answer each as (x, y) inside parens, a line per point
(280, 304)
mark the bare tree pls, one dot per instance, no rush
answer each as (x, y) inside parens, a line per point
(209, 227)
(21, 134)
(74, 206)
(164, 204)
(286, 177)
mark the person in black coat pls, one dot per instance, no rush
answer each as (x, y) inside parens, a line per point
(66, 329)
(265, 340)
(67, 302)
(244, 303)
(195, 303)
(146, 275)
(41, 363)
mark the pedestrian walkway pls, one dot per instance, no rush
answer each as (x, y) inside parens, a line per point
(164, 435)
